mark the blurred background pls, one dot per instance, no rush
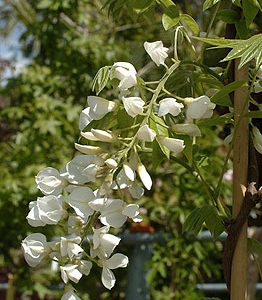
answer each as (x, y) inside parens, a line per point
(50, 51)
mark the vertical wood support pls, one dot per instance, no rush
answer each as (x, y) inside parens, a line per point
(240, 167)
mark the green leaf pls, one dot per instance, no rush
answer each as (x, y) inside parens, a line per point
(159, 126)
(101, 79)
(169, 22)
(209, 3)
(170, 17)
(254, 114)
(242, 29)
(221, 120)
(141, 6)
(206, 214)
(247, 50)
(221, 97)
(190, 22)
(214, 223)
(224, 43)
(229, 16)
(249, 10)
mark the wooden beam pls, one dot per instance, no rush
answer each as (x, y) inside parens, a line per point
(240, 166)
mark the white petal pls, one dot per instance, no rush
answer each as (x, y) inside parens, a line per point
(70, 295)
(79, 200)
(136, 191)
(130, 174)
(131, 210)
(85, 267)
(108, 278)
(113, 219)
(85, 118)
(118, 260)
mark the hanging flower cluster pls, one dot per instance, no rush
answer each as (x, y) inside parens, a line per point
(88, 193)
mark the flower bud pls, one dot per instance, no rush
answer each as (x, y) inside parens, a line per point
(111, 163)
(144, 176)
(146, 134)
(130, 174)
(89, 136)
(103, 135)
(86, 149)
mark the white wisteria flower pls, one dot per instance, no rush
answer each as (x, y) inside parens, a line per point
(257, 140)
(70, 272)
(70, 295)
(144, 176)
(114, 212)
(198, 108)
(97, 108)
(174, 145)
(187, 128)
(49, 181)
(46, 210)
(82, 169)
(70, 246)
(157, 52)
(118, 260)
(79, 200)
(169, 106)
(103, 242)
(35, 248)
(125, 73)
(133, 105)
(145, 133)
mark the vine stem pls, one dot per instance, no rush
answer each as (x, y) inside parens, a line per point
(156, 93)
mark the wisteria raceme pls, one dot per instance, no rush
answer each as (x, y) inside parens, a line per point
(87, 194)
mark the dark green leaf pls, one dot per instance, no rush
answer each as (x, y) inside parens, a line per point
(254, 114)
(221, 97)
(229, 16)
(242, 29)
(249, 10)
(206, 214)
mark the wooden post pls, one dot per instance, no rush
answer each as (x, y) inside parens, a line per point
(240, 166)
